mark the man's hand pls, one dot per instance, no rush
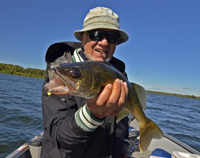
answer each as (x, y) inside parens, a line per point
(110, 101)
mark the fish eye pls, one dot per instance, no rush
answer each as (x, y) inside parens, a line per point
(75, 73)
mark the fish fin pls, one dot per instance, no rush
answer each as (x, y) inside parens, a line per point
(141, 94)
(147, 133)
(121, 115)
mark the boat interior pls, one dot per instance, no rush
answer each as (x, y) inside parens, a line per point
(167, 147)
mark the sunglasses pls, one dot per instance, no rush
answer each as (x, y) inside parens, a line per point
(98, 35)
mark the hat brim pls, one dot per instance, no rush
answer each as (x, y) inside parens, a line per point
(123, 35)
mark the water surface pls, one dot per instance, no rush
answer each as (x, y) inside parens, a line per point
(21, 113)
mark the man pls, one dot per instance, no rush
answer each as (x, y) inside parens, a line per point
(78, 128)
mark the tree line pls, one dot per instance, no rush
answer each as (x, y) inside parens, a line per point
(174, 94)
(18, 70)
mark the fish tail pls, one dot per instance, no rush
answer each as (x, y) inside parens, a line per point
(148, 132)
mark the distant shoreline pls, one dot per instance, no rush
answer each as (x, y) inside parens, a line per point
(18, 70)
(38, 73)
(173, 94)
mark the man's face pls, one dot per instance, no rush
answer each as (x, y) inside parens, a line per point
(97, 50)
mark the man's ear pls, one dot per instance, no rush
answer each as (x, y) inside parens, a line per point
(83, 39)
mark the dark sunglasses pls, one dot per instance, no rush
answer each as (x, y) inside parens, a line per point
(98, 35)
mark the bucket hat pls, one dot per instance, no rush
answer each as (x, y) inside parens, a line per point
(101, 17)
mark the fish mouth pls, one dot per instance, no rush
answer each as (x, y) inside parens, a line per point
(58, 83)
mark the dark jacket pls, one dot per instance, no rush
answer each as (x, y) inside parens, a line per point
(62, 136)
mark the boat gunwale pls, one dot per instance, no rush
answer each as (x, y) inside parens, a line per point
(181, 144)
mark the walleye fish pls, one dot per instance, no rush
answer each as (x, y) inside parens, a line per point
(87, 79)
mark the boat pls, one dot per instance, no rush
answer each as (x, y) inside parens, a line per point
(167, 147)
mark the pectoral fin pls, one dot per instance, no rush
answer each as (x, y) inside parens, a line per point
(121, 115)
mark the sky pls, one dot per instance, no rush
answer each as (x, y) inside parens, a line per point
(162, 53)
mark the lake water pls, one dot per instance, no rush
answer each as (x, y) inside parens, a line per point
(21, 113)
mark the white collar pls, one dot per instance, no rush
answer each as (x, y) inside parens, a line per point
(76, 57)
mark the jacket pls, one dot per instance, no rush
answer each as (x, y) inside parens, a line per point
(63, 138)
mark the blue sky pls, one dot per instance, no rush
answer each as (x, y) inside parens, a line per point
(162, 53)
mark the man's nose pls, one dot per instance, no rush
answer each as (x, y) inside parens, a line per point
(104, 41)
